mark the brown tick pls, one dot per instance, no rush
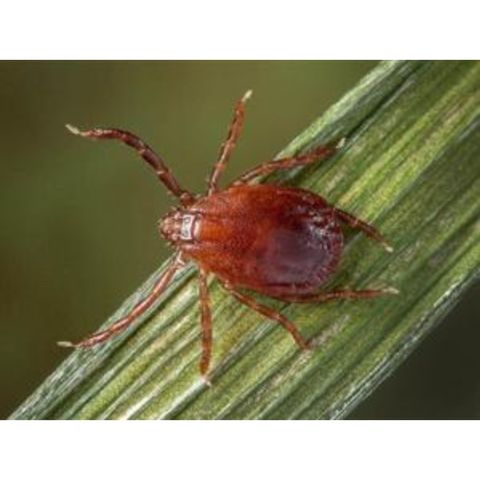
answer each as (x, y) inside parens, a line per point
(278, 241)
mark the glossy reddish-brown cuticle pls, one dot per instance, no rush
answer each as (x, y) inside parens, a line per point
(270, 239)
(277, 241)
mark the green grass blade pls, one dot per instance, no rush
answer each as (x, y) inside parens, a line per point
(411, 166)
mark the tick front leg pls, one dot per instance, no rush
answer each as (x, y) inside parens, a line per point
(154, 160)
(206, 322)
(140, 308)
(321, 152)
(367, 229)
(338, 295)
(270, 313)
(228, 146)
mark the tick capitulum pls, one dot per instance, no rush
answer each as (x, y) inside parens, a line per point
(278, 241)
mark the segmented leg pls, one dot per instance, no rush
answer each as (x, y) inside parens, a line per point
(367, 229)
(321, 152)
(140, 308)
(206, 322)
(270, 313)
(337, 295)
(155, 161)
(227, 147)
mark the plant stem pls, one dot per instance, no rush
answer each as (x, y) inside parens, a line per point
(411, 167)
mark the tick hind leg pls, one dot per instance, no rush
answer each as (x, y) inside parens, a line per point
(321, 152)
(270, 313)
(367, 229)
(338, 295)
(153, 159)
(228, 146)
(140, 308)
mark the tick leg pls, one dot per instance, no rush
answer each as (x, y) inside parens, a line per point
(321, 152)
(367, 229)
(337, 295)
(227, 147)
(155, 161)
(270, 313)
(140, 308)
(206, 321)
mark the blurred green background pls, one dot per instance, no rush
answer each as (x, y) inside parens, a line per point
(78, 230)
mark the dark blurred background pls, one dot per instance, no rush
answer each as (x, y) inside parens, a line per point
(78, 231)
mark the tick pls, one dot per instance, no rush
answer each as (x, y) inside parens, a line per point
(277, 241)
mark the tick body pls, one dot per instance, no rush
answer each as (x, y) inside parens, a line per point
(277, 241)
(271, 239)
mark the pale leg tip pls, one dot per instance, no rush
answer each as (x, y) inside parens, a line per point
(247, 95)
(72, 129)
(65, 344)
(206, 380)
(388, 247)
(341, 143)
(391, 290)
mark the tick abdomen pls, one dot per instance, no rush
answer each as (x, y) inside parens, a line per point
(271, 239)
